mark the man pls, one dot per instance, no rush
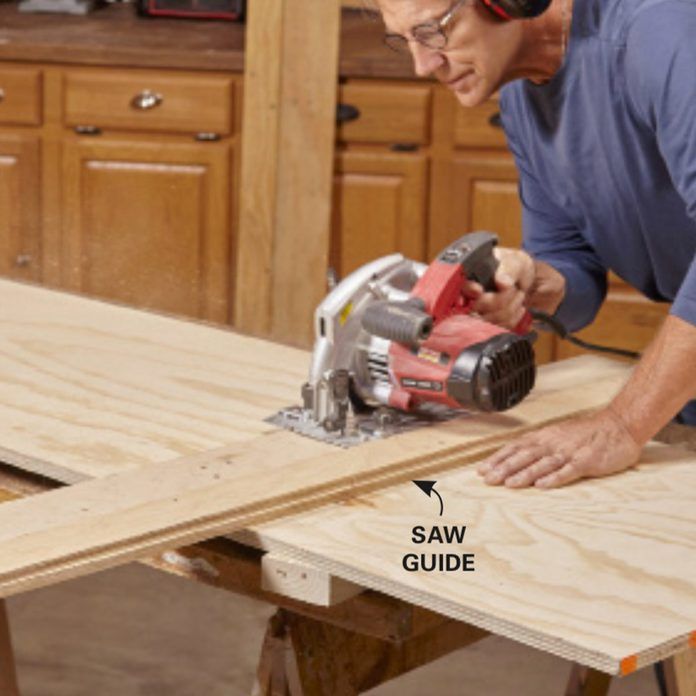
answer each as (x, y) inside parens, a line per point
(599, 106)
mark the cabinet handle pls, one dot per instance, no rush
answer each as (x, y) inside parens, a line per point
(87, 130)
(495, 120)
(2, 94)
(346, 113)
(23, 260)
(207, 137)
(146, 100)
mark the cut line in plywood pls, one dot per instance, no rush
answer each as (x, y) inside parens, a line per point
(101, 523)
(601, 572)
(89, 388)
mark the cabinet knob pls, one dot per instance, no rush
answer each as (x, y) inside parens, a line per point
(87, 130)
(146, 100)
(496, 120)
(346, 113)
(23, 260)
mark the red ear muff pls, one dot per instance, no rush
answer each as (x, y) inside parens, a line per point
(516, 9)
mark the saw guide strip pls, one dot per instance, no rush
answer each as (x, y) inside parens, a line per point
(164, 371)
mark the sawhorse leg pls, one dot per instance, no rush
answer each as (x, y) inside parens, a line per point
(585, 681)
(680, 674)
(8, 674)
(306, 657)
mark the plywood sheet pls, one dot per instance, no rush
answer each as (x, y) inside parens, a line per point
(602, 572)
(598, 572)
(105, 522)
(89, 388)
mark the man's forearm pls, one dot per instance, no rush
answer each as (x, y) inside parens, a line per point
(663, 381)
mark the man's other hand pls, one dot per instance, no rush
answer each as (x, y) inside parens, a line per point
(590, 446)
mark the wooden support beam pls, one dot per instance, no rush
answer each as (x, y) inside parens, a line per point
(231, 566)
(290, 86)
(293, 578)
(8, 674)
(304, 657)
(680, 672)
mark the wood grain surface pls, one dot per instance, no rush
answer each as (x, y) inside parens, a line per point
(90, 388)
(105, 522)
(597, 572)
(600, 572)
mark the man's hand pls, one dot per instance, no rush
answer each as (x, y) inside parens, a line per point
(521, 283)
(590, 446)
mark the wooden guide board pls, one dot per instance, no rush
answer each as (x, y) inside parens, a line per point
(563, 570)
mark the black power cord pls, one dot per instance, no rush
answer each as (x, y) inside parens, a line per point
(560, 330)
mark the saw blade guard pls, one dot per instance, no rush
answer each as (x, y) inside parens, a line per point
(340, 337)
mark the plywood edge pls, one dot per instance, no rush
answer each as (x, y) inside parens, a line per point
(611, 664)
(41, 467)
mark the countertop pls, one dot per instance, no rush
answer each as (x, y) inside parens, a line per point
(116, 35)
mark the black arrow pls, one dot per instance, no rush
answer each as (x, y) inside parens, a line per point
(428, 487)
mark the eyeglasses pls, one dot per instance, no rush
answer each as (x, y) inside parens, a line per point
(432, 34)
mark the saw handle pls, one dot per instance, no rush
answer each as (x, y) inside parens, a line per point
(475, 253)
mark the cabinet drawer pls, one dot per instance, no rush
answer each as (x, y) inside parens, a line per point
(20, 96)
(387, 113)
(476, 127)
(150, 101)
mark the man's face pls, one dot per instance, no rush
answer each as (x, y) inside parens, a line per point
(480, 53)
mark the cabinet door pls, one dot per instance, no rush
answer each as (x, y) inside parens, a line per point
(20, 206)
(379, 208)
(481, 194)
(148, 224)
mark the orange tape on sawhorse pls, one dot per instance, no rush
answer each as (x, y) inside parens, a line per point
(628, 664)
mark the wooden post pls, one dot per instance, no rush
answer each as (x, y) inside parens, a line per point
(680, 673)
(8, 674)
(288, 134)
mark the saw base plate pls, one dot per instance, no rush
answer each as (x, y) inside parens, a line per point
(360, 428)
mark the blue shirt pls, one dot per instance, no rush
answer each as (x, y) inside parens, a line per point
(606, 153)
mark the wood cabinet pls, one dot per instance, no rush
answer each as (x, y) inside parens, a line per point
(20, 205)
(125, 179)
(148, 223)
(379, 207)
(381, 177)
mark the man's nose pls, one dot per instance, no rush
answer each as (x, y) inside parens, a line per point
(425, 60)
